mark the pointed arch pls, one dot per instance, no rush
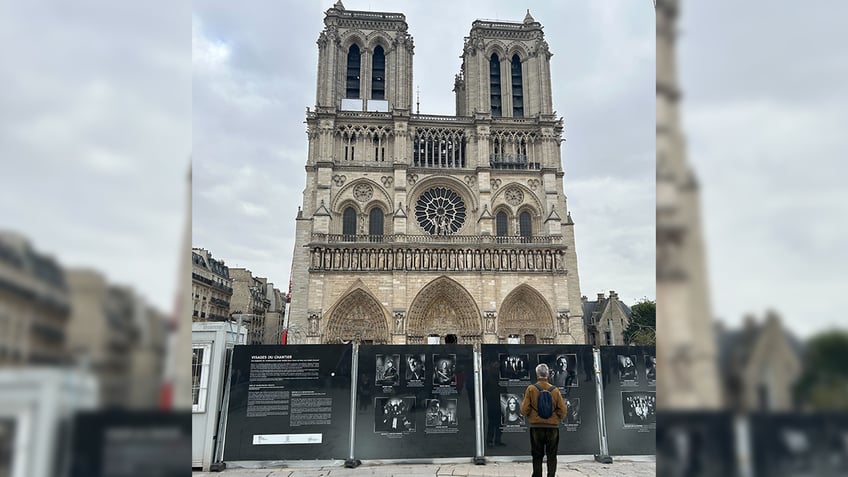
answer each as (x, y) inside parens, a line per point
(495, 84)
(357, 316)
(526, 312)
(444, 307)
(353, 84)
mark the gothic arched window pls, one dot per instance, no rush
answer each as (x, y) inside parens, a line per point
(375, 222)
(525, 225)
(517, 89)
(495, 85)
(378, 74)
(349, 224)
(353, 59)
(500, 224)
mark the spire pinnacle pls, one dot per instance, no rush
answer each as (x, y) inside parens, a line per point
(529, 18)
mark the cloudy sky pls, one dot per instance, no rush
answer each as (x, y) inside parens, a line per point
(95, 136)
(255, 74)
(765, 104)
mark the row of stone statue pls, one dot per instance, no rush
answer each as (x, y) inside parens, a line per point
(388, 259)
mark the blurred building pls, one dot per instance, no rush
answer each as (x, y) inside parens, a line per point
(102, 333)
(34, 305)
(250, 299)
(760, 364)
(606, 318)
(212, 287)
(274, 317)
(415, 225)
(147, 359)
(686, 355)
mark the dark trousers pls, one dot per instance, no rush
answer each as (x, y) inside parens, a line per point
(544, 440)
(493, 431)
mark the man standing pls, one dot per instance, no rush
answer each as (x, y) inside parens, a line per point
(544, 432)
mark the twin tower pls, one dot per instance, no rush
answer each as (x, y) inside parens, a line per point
(416, 228)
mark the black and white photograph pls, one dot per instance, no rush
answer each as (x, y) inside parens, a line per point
(444, 366)
(441, 413)
(394, 414)
(511, 411)
(416, 370)
(563, 370)
(572, 416)
(639, 408)
(627, 370)
(387, 369)
(651, 369)
(514, 366)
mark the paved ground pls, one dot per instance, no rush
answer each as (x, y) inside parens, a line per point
(492, 469)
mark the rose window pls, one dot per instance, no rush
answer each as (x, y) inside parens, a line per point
(440, 211)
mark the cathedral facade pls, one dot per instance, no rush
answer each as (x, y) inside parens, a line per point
(420, 228)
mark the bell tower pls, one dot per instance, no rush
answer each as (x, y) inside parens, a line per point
(364, 61)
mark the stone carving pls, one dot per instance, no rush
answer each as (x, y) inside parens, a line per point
(562, 317)
(399, 317)
(411, 178)
(490, 322)
(330, 258)
(533, 183)
(495, 183)
(524, 311)
(514, 196)
(443, 306)
(339, 180)
(358, 316)
(387, 181)
(363, 192)
(470, 180)
(314, 324)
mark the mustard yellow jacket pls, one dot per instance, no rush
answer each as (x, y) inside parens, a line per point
(529, 406)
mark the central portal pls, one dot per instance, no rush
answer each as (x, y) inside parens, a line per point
(444, 307)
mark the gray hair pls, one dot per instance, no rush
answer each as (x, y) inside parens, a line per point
(542, 371)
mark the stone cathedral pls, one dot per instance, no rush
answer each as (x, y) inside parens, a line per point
(419, 228)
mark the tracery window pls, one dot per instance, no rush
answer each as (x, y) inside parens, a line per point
(517, 88)
(438, 147)
(375, 223)
(378, 74)
(349, 224)
(495, 85)
(501, 224)
(525, 225)
(440, 211)
(353, 60)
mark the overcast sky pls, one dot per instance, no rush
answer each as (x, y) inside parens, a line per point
(255, 75)
(95, 136)
(765, 104)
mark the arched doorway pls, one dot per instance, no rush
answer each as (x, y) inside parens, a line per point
(444, 307)
(525, 313)
(357, 316)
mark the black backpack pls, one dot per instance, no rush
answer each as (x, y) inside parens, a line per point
(545, 403)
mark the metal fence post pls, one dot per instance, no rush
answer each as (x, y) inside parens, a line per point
(478, 407)
(351, 461)
(604, 456)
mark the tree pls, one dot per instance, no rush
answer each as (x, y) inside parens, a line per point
(642, 329)
(823, 385)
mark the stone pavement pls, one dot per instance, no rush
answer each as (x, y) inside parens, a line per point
(492, 469)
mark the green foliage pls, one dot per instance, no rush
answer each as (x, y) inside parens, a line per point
(823, 385)
(642, 329)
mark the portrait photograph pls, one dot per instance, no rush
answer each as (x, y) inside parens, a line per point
(415, 368)
(511, 410)
(563, 369)
(627, 370)
(444, 367)
(441, 413)
(386, 371)
(651, 369)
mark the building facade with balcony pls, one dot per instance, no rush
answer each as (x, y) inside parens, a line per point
(249, 299)
(417, 225)
(34, 305)
(211, 287)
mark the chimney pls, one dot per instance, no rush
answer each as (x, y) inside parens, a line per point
(601, 296)
(613, 294)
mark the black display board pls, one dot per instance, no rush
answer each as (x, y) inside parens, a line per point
(289, 402)
(509, 369)
(415, 401)
(696, 444)
(630, 398)
(787, 445)
(130, 443)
